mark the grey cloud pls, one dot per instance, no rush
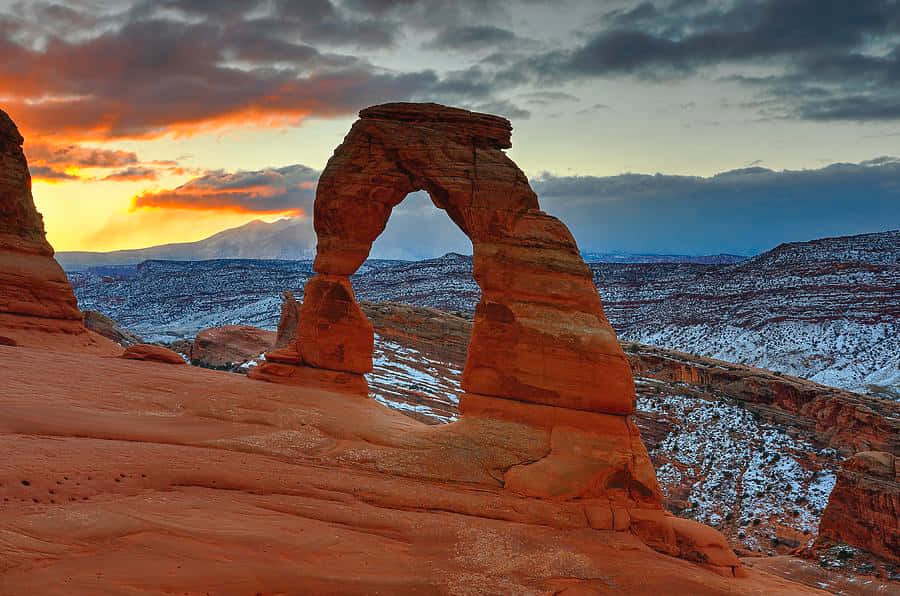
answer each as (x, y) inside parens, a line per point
(471, 37)
(275, 190)
(543, 98)
(829, 56)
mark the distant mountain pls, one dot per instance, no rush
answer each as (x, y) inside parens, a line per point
(612, 257)
(294, 239)
(290, 239)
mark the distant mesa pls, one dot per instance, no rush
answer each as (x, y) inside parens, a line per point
(542, 357)
(37, 305)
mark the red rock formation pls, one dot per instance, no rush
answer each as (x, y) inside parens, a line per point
(542, 355)
(540, 335)
(103, 325)
(37, 305)
(152, 353)
(864, 507)
(228, 345)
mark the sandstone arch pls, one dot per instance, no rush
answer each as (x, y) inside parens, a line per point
(540, 334)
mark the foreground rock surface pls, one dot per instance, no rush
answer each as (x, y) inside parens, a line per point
(864, 508)
(37, 305)
(125, 477)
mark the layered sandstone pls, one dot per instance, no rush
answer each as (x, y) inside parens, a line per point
(542, 358)
(37, 305)
(864, 507)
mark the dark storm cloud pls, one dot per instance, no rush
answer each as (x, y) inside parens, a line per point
(77, 156)
(741, 211)
(833, 59)
(147, 72)
(289, 190)
(431, 14)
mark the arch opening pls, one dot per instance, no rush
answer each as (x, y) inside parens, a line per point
(418, 229)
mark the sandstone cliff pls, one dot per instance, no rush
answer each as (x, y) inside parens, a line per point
(864, 508)
(37, 305)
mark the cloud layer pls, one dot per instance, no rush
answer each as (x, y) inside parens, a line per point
(742, 211)
(288, 191)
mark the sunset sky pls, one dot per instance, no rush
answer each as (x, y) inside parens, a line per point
(168, 120)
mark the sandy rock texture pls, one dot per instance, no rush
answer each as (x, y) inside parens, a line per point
(127, 477)
(152, 353)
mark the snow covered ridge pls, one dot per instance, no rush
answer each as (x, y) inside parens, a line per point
(827, 310)
(719, 465)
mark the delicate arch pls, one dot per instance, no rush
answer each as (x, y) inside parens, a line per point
(539, 333)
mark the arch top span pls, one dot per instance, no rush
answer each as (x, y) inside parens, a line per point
(395, 149)
(539, 334)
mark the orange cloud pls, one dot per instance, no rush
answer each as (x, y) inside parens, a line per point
(288, 191)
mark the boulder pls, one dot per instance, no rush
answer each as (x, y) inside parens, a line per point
(219, 347)
(103, 325)
(152, 353)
